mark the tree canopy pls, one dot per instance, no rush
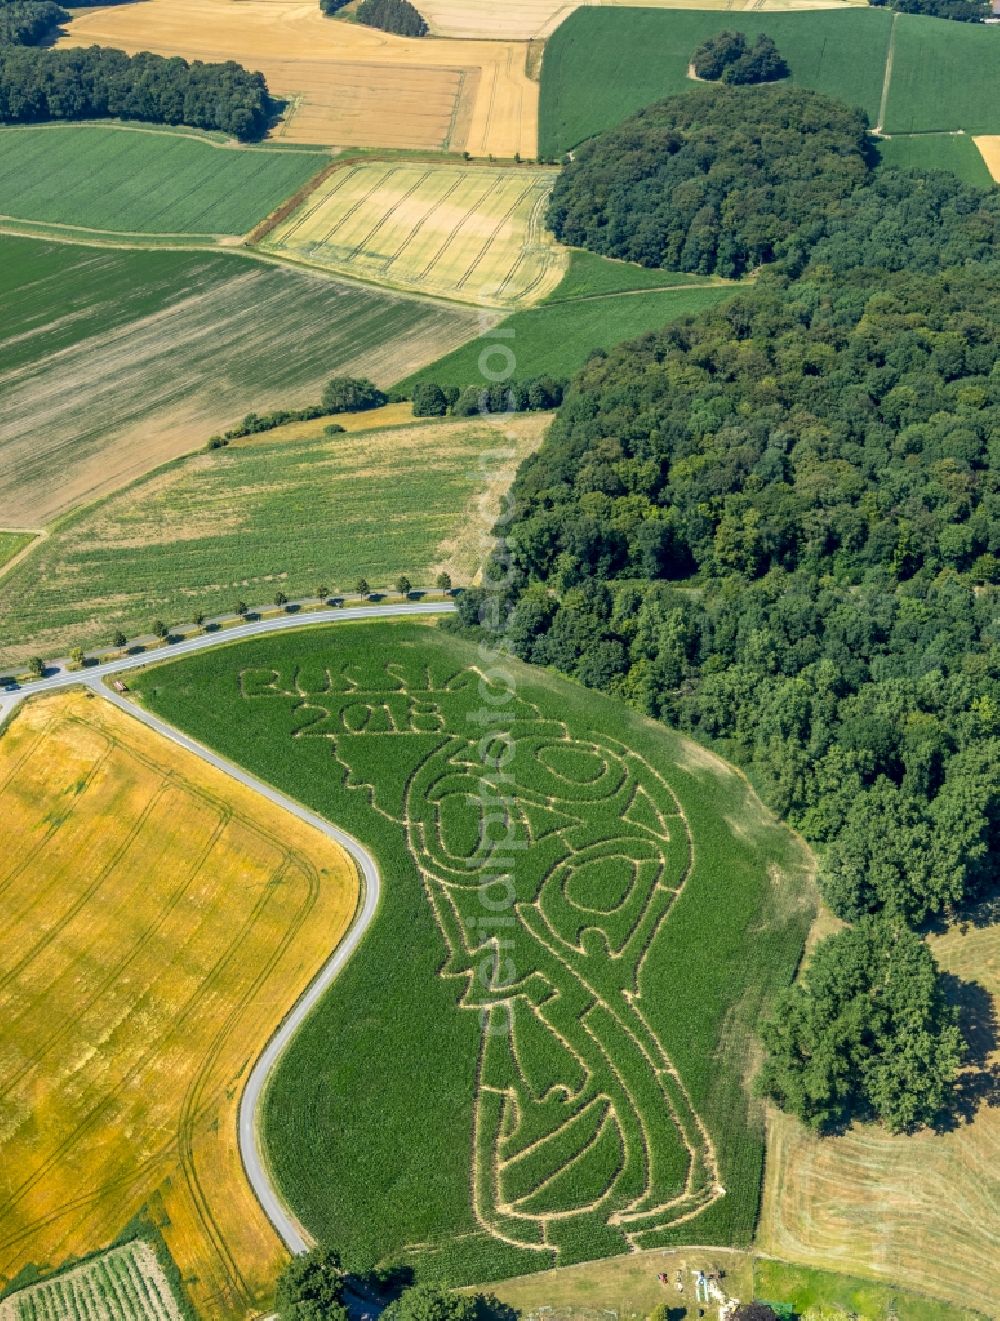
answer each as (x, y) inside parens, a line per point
(432, 1302)
(351, 394)
(816, 458)
(41, 84)
(311, 1288)
(964, 11)
(729, 57)
(865, 1032)
(713, 181)
(397, 16)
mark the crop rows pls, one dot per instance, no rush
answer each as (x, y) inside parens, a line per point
(601, 853)
(141, 181)
(576, 1065)
(124, 1284)
(137, 867)
(156, 356)
(466, 233)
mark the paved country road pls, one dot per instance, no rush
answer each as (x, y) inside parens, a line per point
(291, 1233)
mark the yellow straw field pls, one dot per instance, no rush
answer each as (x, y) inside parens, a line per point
(464, 232)
(159, 919)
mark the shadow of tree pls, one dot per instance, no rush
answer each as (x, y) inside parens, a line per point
(979, 1082)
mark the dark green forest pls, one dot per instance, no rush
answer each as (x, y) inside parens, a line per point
(713, 181)
(38, 83)
(777, 526)
(729, 57)
(397, 16)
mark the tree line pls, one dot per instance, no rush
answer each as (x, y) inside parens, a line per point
(397, 16)
(537, 393)
(777, 526)
(39, 84)
(963, 11)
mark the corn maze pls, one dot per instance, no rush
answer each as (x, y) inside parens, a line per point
(124, 1284)
(549, 877)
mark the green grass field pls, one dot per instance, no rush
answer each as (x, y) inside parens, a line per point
(944, 75)
(141, 181)
(113, 362)
(781, 1282)
(242, 522)
(954, 152)
(557, 337)
(539, 1102)
(602, 64)
(590, 275)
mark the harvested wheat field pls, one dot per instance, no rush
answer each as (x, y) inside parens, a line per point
(923, 1210)
(348, 85)
(464, 232)
(523, 20)
(159, 919)
(989, 149)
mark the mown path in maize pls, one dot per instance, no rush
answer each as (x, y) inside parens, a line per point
(541, 1051)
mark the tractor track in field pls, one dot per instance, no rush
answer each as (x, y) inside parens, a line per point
(252, 1154)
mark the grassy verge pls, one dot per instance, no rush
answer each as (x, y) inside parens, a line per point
(590, 276)
(781, 1282)
(630, 1288)
(384, 1114)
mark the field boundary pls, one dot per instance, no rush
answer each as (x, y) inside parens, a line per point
(209, 138)
(282, 212)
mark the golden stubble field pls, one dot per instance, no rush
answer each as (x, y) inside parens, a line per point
(465, 232)
(348, 85)
(922, 1211)
(159, 919)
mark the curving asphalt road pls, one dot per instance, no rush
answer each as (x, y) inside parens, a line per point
(288, 1229)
